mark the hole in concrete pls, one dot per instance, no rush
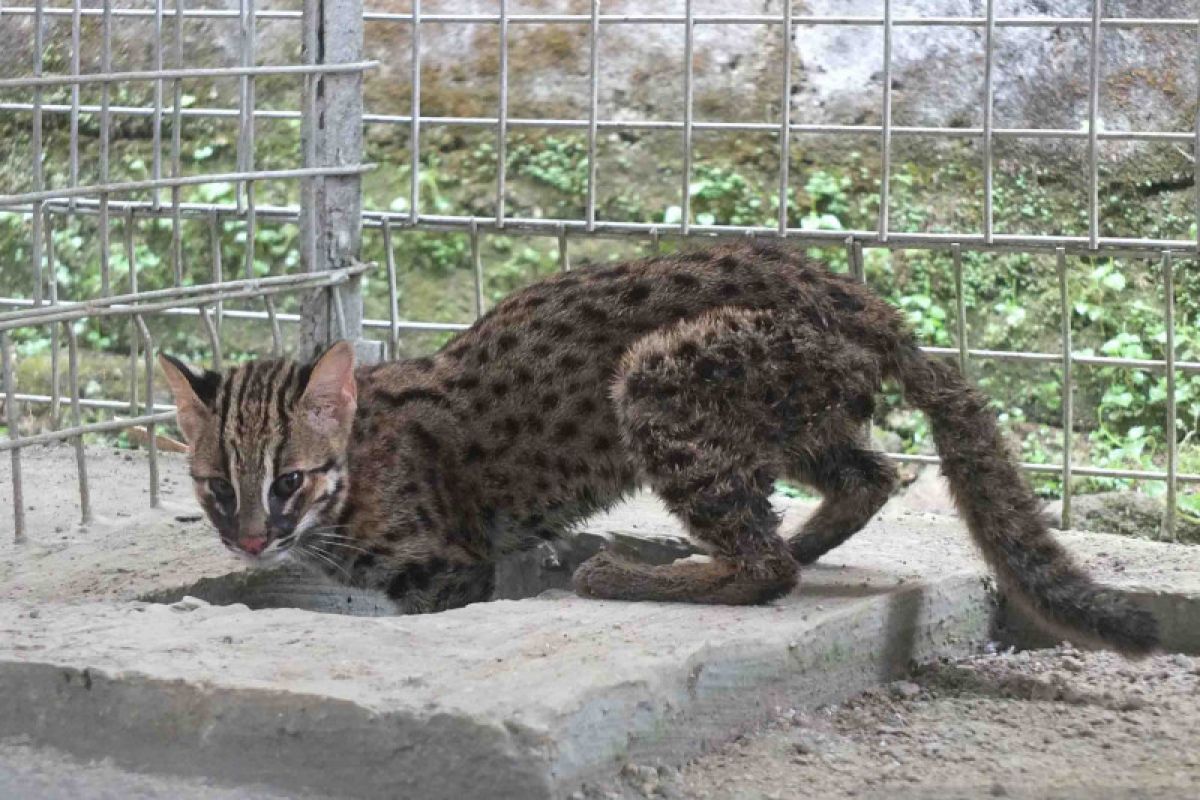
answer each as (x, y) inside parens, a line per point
(520, 575)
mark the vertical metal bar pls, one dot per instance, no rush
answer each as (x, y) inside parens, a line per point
(133, 323)
(593, 111)
(76, 25)
(332, 134)
(276, 333)
(989, 100)
(243, 111)
(785, 123)
(35, 147)
(564, 254)
(414, 128)
(393, 295)
(1068, 386)
(245, 145)
(1196, 148)
(151, 432)
(477, 269)
(105, 122)
(885, 179)
(176, 150)
(1094, 128)
(11, 416)
(85, 501)
(960, 306)
(55, 344)
(685, 191)
(214, 245)
(502, 121)
(1168, 274)
(156, 120)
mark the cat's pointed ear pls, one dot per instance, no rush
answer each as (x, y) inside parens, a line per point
(331, 396)
(194, 392)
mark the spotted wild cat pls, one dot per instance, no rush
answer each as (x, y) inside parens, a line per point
(705, 375)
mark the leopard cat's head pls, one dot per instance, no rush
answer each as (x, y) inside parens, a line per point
(268, 444)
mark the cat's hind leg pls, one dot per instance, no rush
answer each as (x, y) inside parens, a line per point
(854, 481)
(699, 409)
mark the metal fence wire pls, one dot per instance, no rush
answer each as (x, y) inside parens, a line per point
(86, 93)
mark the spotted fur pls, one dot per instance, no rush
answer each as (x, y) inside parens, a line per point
(706, 375)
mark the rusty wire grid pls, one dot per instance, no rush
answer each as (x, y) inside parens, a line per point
(333, 219)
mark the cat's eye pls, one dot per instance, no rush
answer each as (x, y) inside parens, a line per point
(221, 489)
(286, 485)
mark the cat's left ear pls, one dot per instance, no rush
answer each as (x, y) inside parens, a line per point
(331, 396)
(194, 390)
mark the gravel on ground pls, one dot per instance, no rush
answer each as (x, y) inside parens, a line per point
(1055, 723)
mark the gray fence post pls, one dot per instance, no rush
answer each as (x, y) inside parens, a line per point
(331, 207)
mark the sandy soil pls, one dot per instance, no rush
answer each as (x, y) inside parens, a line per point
(1037, 724)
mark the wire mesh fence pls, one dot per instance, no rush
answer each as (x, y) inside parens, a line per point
(243, 73)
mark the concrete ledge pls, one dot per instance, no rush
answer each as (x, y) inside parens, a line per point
(529, 698)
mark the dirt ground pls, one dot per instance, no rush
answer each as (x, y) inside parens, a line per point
(1037, 724)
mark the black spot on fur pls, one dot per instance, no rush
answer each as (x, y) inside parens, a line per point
(482, 356)
(398, 399)
(695, 257)
(562, 329)
(549, 401)
(593, 314)
(602, 444)
(687, 351)
(512, 426)
(564, 468)
(523, 376)
(570, 363)
(424, 363)
(507, 341)
(729, 290)
(468, 381)
(585, 406)
(539, 459)
(678, 458)
(758, 286)
(844, 301)
(565, 431)
(427, 441)
(541, 350)
(500, 388)
(684, 280)
(534, 423)
(727, 263)
(534, 301)
(473, 453)
(410, 488)
(637, 293)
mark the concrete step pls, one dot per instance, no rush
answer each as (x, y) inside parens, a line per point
(531, 698)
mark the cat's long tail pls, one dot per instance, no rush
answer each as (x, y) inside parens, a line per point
(1004, 516)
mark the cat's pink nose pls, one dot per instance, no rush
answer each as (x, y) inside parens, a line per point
(253, 544)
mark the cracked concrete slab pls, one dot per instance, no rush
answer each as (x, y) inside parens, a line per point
(525, 699)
